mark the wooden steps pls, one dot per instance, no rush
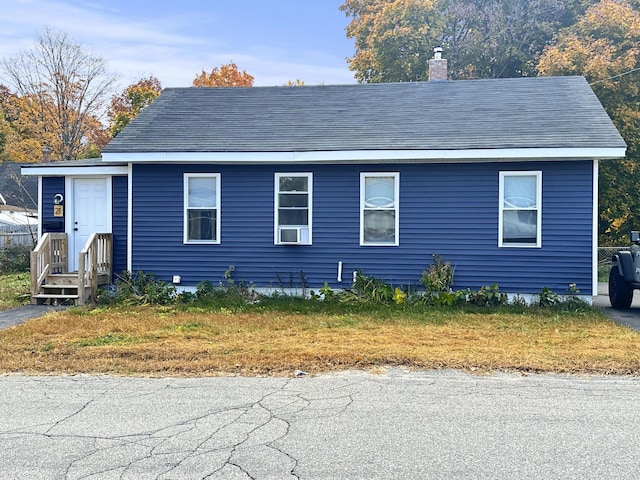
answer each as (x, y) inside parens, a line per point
(49, 283)
(59, 289)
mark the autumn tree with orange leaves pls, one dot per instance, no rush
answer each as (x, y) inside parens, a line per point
(394, 39)
(225, 76)
(604, 47)
(127, 105)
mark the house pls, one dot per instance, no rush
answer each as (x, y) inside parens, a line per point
(307, 185)
(18, 196)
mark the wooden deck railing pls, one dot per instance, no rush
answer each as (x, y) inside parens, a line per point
(49, 256)
(94, 260)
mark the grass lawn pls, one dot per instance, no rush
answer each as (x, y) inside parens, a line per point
(14, 289)
(272, 340)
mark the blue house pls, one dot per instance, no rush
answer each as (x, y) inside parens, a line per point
(294, 185)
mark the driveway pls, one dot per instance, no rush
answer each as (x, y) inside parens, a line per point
(393, 424)
(629, 318)
(16, 315)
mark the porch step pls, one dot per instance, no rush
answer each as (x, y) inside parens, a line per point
(54, 298)
(62, 279)
(60, 288)
(52, 289)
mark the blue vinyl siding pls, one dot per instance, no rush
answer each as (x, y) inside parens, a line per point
(451, 210)
(50, 187)
(119, 223)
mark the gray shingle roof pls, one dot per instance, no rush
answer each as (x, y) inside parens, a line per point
(559, 112)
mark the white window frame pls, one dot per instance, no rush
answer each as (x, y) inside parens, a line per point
(396, 207)
(537, 208)
(187, 177)
(304, 231)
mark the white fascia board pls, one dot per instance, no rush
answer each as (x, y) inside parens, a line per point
(366, 156)
(595, 231)
(52, 171)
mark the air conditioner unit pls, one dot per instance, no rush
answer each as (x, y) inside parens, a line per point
(289, 235)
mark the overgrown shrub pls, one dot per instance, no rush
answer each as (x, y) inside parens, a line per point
(547, 298)
(229, 292)
(438, 278)
(488, 297)
(142, 288)
(369, 289)
(15, 258)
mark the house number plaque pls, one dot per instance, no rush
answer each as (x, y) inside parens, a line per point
(58, 211)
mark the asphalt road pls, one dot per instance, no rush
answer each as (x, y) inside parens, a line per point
(391, 425)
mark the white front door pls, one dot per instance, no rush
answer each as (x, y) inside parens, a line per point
(90, 214)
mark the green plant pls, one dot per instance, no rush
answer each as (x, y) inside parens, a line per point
(15, 258)
(142, 288)
(518, 301)
(206, 288)
(572, 290)
(14, 289)
(325, 293)
(547, 298)
(487, 297)
(438, 277)
(231, 291)
(369, 289)
(228, 276)
(399, 296)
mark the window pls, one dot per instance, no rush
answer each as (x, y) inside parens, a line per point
(379, 216)
(201, 208)
(292, 222)
(519, 224)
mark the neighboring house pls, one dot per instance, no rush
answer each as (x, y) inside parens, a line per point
(11, 216)
(310, 184)
(18, 196)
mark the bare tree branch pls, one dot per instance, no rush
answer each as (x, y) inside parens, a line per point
(69, 85)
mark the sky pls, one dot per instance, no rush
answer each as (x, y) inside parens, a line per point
(273, 40)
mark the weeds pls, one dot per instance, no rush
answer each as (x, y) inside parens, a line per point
(138, 289)
(488, 297)
(15, 258)
(14, 290)
(439, 276)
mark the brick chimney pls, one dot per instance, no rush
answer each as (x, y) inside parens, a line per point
(46, 155)
(437, 66)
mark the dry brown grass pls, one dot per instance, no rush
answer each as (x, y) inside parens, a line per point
(155, 341)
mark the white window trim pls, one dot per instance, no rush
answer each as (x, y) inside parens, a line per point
(396, 188)
(276, 203)
(538, 175)
(185, 206)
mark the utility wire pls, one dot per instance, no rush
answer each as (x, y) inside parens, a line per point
(616, 76)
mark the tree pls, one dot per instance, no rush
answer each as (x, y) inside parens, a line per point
(65, 87)
(225, 76)
(22, 128)
(604, 47)
(502, 38)
(127, 105)
(296, 83)
(394, 39)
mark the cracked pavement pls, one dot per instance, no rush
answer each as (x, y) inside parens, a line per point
(394, 424)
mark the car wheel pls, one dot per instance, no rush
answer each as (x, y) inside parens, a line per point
(620, 291)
